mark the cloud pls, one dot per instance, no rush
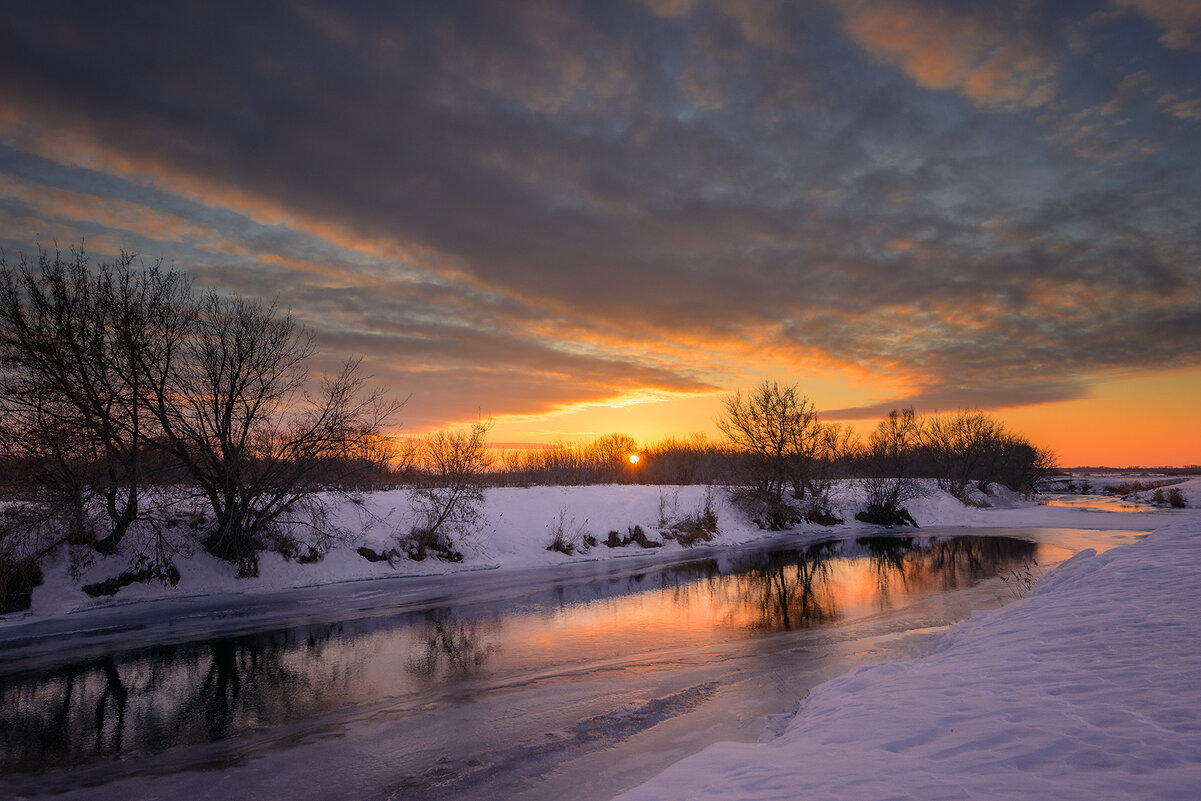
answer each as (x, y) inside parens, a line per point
(947, 398)
(525, 207)
(980, 51)
(1180, 20)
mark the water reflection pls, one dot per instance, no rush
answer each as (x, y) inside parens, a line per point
(1099, 503)
(454, 647)
(828, 581)
(151, 699)
(790, 589)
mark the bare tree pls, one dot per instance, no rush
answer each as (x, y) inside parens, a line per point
(835, 445)
(73, 342)
(775, 428)
(450, 491)
(963, 447)
(236, 412)
(1022, 466)
(887, 465)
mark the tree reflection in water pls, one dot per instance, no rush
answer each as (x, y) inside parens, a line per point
(798, 588)
(789, 589)
(454, 646)
(161, 697)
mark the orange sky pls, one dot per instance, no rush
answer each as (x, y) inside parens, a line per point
(1148, 420)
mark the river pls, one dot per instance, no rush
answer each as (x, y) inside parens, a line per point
(574, 682)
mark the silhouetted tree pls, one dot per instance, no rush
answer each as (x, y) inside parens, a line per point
(74, 342)
(962, 447)
(236, 412)
(887, 465)
(776, 431)
(610, 455)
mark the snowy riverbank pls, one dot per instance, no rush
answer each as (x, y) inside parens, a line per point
(1088, 688)
(518, 525)
(1085, 687)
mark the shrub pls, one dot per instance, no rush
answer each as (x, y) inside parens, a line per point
(18, 577)
(879, 515)
(888, 482)
(449, 493)
(1176, 498)
(567, 537)
(700, 526)
(821, 514)
(635, 534)
(164, 572)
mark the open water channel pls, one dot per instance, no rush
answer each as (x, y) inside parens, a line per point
(575, 682)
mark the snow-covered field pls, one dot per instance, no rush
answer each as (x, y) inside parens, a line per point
(1088, 688)
(517, 527)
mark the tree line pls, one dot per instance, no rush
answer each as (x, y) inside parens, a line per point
(781, 460)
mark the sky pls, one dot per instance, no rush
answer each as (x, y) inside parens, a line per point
(585, 218)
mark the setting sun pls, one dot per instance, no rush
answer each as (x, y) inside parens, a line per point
(634, 458)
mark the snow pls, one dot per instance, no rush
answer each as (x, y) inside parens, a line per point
(517, 526)
(1087, 688)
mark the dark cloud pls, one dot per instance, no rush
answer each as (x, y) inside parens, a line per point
(539, 203)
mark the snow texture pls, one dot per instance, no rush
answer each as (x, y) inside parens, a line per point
(1087, 688)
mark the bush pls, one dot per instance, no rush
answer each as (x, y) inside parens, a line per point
(635, 534)
(421, 542)
(772, 515)
(449, 493)
(822, 515)
(700, 526)
(18, 577)
(567, 537)
(165, 572)
(887, 463)
(884, 516)
(1176, 498)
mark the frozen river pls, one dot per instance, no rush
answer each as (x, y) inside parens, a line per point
(575, 682)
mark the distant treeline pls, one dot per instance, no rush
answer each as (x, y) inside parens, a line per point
(698, 459)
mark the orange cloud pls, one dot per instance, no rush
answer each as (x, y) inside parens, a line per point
(955, 48)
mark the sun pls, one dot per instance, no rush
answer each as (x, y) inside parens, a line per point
(635, 458)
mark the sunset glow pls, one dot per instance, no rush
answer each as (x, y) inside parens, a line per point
(893, 204)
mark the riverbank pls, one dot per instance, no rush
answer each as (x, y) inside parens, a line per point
(517, 525)
(444, 680)
(1087, 688)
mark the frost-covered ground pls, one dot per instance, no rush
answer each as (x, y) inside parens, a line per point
(1087, 688)
(517, 526)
